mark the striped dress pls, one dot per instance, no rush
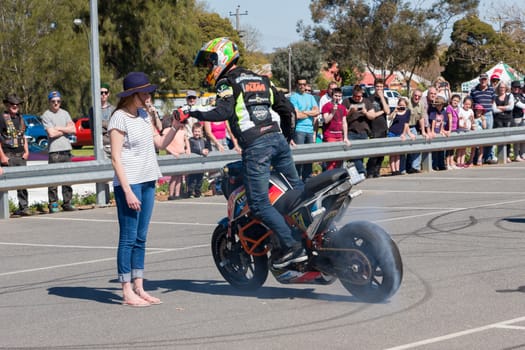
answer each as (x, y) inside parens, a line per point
(138, 156)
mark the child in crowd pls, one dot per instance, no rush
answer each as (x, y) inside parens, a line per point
(479, 123)
(451, 126)
(437, 119)
(201, 146)
(399, 127)
(465, 119)
(179, 145)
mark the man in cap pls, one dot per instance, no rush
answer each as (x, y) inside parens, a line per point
(517, 115)
(59, 126)
(483, 94)
(191, 101)
(13, 146)
(106, 109)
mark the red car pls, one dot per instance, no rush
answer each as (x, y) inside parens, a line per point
(83, 133)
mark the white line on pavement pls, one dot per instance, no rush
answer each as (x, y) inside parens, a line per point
(115, 221)
(98, 260)
(457, 334)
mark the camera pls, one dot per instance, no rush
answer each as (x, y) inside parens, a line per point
(443, 84)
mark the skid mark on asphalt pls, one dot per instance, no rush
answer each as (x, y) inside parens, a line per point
(504, 324)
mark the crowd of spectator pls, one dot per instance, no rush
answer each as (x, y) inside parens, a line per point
(492, 103)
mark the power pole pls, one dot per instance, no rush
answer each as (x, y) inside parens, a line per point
(238, 15)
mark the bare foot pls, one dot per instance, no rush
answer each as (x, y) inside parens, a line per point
(135, 301)
(148, 298)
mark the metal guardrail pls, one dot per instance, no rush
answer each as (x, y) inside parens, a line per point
(101, 171)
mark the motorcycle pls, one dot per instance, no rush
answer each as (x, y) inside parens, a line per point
(360, 254)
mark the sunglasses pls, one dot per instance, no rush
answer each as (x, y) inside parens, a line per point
(55, 101)
(307, 90)
(104, 92)
(15, 104)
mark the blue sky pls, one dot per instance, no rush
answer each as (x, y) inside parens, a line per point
(276, 19)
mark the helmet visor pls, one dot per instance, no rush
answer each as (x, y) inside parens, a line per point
(205, 59)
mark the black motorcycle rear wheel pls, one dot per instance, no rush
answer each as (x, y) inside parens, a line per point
(241, 270)
(367, 261)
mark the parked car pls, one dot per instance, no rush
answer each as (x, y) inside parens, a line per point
(35, 131)
(349, 89)
(83, 136)
(392, 97)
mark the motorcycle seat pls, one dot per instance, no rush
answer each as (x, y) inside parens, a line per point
(288, 200)
(324, 179)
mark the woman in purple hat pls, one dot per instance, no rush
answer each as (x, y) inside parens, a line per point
(133, 142)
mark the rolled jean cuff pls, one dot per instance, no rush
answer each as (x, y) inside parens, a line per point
(124, 277)
(137, 273)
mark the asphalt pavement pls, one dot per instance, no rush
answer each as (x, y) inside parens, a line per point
(460, 233)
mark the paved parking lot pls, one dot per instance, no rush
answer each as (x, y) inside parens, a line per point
(461, 236)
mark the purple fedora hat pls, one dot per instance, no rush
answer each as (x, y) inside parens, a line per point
(136, 82)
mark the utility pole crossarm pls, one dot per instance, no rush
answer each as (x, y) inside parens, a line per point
(238, 15)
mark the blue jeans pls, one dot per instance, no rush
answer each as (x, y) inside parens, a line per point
(301, 138)
(269, 150)
(67, 191)
(358, 162)
(413, 160)
(488, 151)
(133, 226)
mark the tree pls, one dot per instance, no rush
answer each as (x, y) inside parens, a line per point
(43, 50)
(251, 38)
(305, 63)
(475, 47)
(387, 35)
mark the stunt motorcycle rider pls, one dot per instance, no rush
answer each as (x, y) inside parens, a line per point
(254, 109)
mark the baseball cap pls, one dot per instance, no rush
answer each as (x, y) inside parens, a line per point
(54, 94)
(191, 93)
(479, 107)
(483, 76)
(515, 84)
(494, 77)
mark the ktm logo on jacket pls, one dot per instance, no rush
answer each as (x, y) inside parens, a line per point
(254, 87)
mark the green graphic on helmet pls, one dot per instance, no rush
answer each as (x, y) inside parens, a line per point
(218, 55)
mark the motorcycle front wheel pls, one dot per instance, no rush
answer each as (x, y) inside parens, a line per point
(367, 261)
(241, 270)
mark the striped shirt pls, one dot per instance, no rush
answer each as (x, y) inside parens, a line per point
(483, 97)
(139, 159)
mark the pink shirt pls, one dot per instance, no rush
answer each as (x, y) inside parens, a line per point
(455, 117)
(218, 129)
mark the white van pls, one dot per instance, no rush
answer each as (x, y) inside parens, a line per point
(392, 96)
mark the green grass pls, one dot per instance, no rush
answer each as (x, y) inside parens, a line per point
(83, 152)
(89, 151)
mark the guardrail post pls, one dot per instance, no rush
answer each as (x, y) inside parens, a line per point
(502, 154)
(426, 161)
(4, 205)
(102, 196)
